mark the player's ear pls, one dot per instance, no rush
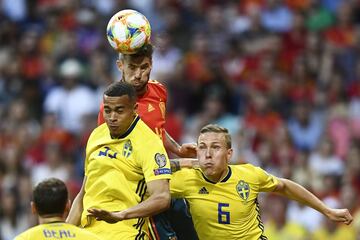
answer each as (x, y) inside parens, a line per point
(135, 107)
(67, 207)
(33, 208)
(120, 64)
(229, 154)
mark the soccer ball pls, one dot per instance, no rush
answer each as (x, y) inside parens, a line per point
(127, 31)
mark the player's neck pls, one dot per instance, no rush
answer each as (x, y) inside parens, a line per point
(126, 130)
(219, 177)
(44, 220)
(142, 92)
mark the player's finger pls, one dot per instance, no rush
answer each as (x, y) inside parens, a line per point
(94, 211)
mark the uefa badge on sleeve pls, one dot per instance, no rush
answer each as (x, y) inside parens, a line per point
(160, 160)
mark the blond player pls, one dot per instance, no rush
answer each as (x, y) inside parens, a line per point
(223, 198)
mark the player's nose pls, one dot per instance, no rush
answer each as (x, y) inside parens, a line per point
(113, 117)
(208, 153)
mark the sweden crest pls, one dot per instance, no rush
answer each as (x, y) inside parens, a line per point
(243, 189)
(127, 149)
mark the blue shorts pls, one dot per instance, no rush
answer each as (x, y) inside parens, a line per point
(175, 223)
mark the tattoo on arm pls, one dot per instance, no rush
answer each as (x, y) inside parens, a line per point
(175, 165)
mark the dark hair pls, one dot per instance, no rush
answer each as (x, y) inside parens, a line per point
(145, 51)
(50, 197)
(118, 89)
(218, 129)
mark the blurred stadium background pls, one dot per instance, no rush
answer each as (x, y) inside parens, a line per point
(282, 75)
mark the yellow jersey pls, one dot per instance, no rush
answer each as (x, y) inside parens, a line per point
(56, 230)
(229, 208)
(117, 171)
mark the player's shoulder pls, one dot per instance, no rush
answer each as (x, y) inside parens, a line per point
(157, 87)
(28, 234)
(99, 131)
(186, 175)
(156, 83)
(245, 169)
(143, 133)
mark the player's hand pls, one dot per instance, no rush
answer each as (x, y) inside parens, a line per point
(103, 215)
(340, 215)
(187, 150)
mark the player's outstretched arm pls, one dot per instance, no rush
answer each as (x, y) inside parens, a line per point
(298, 193)
(76, 210)
(179, 163)
(187, 150)
(158, 201)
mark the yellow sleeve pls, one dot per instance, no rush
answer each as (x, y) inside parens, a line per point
(155, 162)
(20, 238)
(177, 183)
(267, 182)
(88, 149)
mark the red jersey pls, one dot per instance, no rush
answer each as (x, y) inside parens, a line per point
(151, 107)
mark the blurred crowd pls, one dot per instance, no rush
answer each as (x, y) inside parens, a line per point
(282, 75)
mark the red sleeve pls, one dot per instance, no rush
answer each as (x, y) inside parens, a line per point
(159, 88)
(152, 107)
(101, 119)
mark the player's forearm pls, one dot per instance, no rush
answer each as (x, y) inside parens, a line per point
(76, 210)
(298, 193)
(179, 163)
(171, 145)
(153, 205)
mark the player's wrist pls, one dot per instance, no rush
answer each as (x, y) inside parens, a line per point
(120, 216)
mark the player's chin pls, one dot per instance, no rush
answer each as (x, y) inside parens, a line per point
(114, 130)
(209, 171)
(140, 87)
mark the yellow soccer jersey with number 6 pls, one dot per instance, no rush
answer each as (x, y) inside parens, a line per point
(227, 209)
(117, 171)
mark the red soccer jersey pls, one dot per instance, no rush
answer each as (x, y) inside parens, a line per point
(151, 107)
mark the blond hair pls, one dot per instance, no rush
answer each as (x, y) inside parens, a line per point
(218, 129)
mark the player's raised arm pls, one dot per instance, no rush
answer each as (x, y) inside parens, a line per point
(298, 193)
(187, 150)
(76, 210)
(158, 201)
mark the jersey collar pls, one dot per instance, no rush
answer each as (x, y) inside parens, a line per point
(228, 175)
(132, 126)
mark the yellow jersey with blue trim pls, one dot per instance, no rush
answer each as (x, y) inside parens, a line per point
(117, 171)
(229, 208)
(56, 230)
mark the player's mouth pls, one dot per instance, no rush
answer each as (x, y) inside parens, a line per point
(113, 126)
(208, 165)
(137, 82)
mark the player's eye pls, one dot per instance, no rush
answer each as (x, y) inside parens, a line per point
(107, 111)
